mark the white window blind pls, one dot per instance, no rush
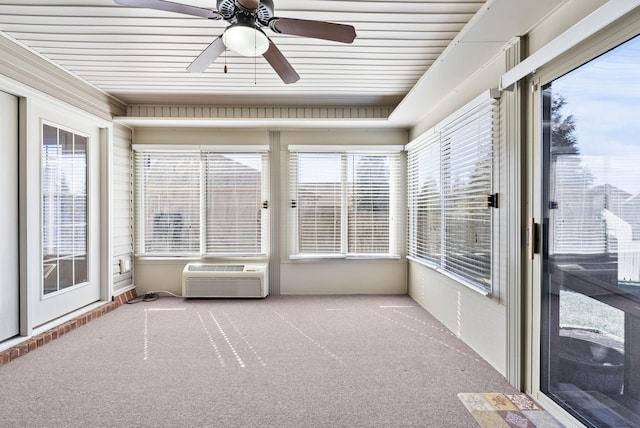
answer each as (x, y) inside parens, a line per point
(450, 177)
(370, 195)
(317, 202)
(167, 203)
(235, 203)
(425, 202)
(467, 172)
(344, 204)
(200, 202)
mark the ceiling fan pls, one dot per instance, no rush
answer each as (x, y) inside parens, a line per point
(245, 35)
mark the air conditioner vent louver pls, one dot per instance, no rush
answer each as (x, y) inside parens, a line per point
(225, 281)
(215, 268)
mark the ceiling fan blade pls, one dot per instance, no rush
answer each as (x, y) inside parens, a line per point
(316, 29)
(280, 64)
(249, 4)
(172, 7)
(208, 55)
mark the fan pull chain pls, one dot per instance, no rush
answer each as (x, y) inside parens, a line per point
(225, 62)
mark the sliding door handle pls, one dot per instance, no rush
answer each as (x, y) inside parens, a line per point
(533, 232)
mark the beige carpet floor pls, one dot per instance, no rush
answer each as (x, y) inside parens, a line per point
(329, 361)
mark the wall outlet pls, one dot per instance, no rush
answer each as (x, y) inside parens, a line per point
(125, 265)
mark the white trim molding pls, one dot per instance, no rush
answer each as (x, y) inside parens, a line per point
(602, 17)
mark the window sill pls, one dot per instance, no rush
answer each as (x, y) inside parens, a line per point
(186, 259)
(343, 259)
(468, 284)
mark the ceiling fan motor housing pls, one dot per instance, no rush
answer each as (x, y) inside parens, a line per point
(233, 12)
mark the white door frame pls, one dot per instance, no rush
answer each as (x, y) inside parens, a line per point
(10, 261)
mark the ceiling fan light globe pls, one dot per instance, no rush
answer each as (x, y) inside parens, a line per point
(245, 40)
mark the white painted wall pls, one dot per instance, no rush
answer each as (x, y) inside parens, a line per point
(477, 319)
(344, 277)
(337, 277)
(159, 275)
(200, 136)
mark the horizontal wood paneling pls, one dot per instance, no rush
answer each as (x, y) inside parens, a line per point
(122, 213)
(235, 112)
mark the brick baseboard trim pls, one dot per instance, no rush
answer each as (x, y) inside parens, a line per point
(42, 339)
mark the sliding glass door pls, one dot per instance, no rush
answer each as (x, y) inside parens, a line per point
(590, 326)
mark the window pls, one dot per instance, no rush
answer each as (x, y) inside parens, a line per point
(234, 197)
(344, 204)
(450, 177)
(64, 209)
(192, 202)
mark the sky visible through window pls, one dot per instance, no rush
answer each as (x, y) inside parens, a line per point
(604, 98)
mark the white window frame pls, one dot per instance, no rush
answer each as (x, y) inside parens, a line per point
(202, 152)
(345, 153)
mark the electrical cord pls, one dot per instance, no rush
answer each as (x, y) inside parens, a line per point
(150, 296)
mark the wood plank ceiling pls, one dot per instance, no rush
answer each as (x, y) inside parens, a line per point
(140, 55)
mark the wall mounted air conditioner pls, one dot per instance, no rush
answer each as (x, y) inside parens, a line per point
(225, 280)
